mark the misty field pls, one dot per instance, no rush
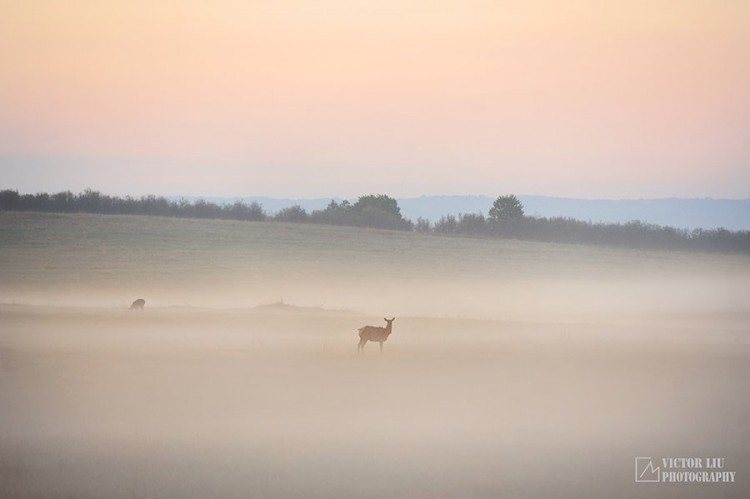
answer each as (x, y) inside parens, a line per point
(515, 369)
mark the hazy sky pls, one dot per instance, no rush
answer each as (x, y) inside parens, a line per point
(307, 98)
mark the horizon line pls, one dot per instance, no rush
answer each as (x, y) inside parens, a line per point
(407, 197)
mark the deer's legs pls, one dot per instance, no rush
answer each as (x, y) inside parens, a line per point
(381, 346)
(361, 345)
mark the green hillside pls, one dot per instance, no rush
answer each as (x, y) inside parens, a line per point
(110, 258)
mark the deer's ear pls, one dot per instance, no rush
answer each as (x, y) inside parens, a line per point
(386, 320)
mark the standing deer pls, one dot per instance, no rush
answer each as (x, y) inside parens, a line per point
(374, 333)
(138, 304)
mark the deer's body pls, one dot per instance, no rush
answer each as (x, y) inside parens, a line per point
(374, 333)
(138, 304)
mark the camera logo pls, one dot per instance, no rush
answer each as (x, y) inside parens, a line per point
(645, 471)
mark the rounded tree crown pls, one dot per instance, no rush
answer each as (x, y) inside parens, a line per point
(506, 208)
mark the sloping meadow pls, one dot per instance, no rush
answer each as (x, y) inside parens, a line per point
(514, 368)
(108, 261)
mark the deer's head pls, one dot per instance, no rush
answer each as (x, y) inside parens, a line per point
(389, 321)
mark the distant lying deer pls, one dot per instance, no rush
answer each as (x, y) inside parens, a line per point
(374, 333)
(138, 304)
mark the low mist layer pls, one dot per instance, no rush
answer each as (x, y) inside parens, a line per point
(276, 403)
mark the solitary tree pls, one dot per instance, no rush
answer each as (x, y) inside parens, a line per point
(379, 211)
(380, 202)
(506, 208)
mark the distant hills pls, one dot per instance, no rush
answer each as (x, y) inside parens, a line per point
(706, 213)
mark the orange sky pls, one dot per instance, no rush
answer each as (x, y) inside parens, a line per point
(343, 97)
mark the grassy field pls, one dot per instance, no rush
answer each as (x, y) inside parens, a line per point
(515, 369)
(91, 260)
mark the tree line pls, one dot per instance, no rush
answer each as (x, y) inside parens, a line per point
(378, 211)
(506, 219)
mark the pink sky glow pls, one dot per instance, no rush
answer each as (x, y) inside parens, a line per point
(598, 99)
